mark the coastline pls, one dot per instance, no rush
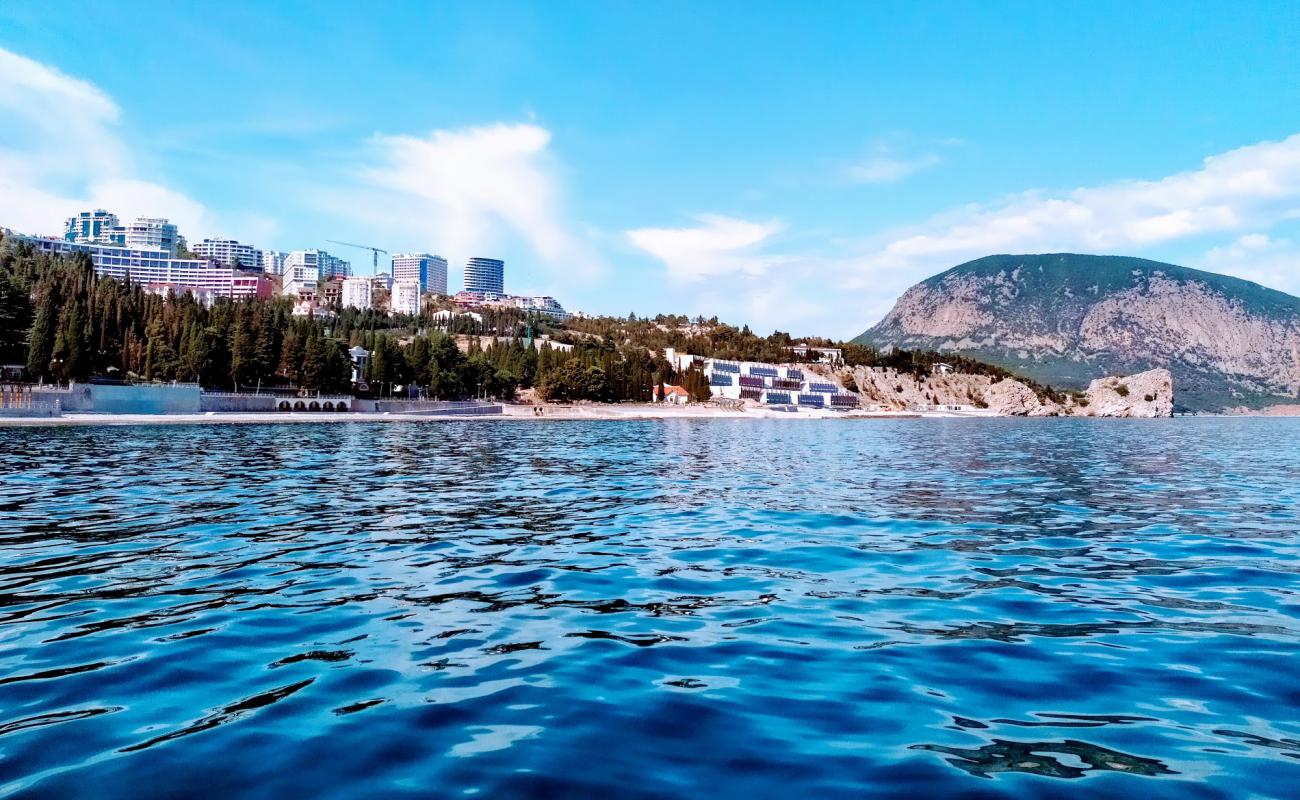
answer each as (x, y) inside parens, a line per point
(516, 413)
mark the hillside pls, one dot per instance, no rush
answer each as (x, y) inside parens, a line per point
(1065, 319)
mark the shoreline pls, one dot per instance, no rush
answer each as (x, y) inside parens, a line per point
(509, 413)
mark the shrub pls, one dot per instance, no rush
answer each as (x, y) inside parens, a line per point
(1150, 398)
(1121, 390)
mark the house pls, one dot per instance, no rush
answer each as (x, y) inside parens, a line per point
(673, 394)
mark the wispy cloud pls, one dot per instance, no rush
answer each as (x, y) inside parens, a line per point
(718, 245)
(886, 166)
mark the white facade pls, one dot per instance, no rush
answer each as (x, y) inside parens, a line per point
(229, 252)
(157, 267)
(542, 305)
(327, 266)
(405, 298)
(299, 279)
(357, 293)
(148, 233)
(90, 227)
(273, 262)
(770, 384)
(429, 271)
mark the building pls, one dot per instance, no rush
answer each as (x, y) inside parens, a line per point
(230, 253)
(405, 298)
(273, 262)
(822, 355)
(297, 280)
(326, 265)
(357, 293)
(544, 305)
(485, 276)
(148, 233)
(428, 270)
(360, 358)
(158, 267)
(331, 292)
(675, 395)
(785, 385)
(90, 227)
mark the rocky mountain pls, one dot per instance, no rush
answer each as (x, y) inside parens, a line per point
(1065, 319)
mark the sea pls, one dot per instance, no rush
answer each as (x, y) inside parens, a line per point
(652, 609)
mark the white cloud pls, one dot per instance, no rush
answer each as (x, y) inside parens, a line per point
(464, 189)
(60, 152)
(884, 167)
(717, 246)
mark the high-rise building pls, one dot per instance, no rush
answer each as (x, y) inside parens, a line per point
(405, 298)
(230, 253)
(273, 262)
(357, 292)
(328, 266)
(485, 276)
(147, 233)
(91, 227)
(427, 270)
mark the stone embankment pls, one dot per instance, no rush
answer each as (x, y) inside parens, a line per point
(1146, 394)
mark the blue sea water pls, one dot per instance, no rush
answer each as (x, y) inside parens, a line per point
(707, 608)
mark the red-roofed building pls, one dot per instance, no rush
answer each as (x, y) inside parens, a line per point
(673, 394)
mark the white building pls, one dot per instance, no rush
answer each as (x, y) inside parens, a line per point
(357, 293)
(299, 280)
(273, 262)
(158, 267)
(326, 265)
(429, 271)
(548, 306)
(148, 233)
(405, 298)
(229, 252)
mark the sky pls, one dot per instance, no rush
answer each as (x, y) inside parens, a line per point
(790, 166)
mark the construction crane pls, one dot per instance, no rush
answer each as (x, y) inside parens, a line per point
(375, 251)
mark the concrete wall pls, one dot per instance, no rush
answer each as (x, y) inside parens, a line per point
(433, 407)
(224, 401)
(146, 399)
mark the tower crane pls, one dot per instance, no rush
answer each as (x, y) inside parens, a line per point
(375, 251)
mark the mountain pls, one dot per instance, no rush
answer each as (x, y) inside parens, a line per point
(1064, 319)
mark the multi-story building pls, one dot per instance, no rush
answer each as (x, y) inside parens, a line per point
(429, 271)
(298, 280)
(327, 266)
(230, 253)
(357, 293)
(331, 292)
(548, 306)
(148, 233)
(159, 268)
(273, 262)
(405, 298)
(90, 227)
(485, 276)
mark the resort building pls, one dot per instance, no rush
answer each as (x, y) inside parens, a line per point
(297, 280)
(326, 265)
(429, 271)
(230, 253)
(90, 227)
(485, 276)
(357, 293)
(821, 355)
(158, 267)
(273, 262)
(768, 384)
(675, 395)
(405, 298)
(147, 233)
(545, 305)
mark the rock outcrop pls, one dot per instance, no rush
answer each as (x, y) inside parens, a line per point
(1147, 394)
(1065, 320)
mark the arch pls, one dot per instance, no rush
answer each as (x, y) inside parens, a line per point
(342, 406)
(300, 406)
(329, 405)
(314, 406)
(284, 405)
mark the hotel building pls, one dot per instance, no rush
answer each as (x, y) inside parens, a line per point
(156, 268)
(326, 265)
(357, 293)
(405, 298)
(230, 253)
(429, 271)
(485, 276)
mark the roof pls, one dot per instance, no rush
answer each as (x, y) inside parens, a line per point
(670, 389)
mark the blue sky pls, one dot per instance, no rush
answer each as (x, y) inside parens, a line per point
(791, 166)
